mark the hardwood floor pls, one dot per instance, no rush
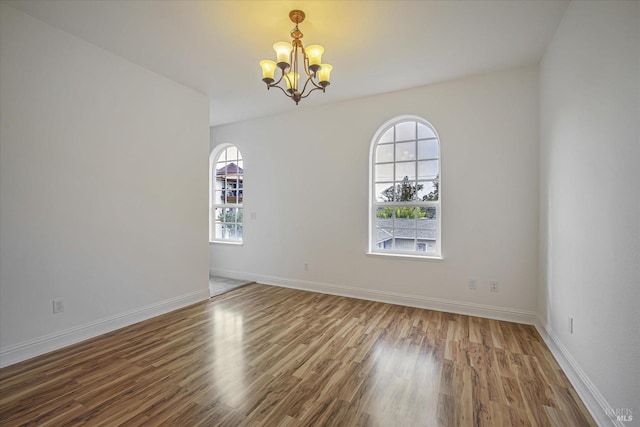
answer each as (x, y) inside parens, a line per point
(263, 355)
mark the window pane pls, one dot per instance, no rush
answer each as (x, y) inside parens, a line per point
(385, 192)
(384, 238)
(404, 244)
(428, 149)
(425, 131)
(219, 231)
(405, 151)
(384, 172)
(239, 217)
(387, 136)
(220, 214)
(405, 217)
(240, 165)
(232, 154)
(232, 181)
(384, 226)
(407, 169)
(383, 214)
(428, 169)
(229, 215)
(405, 131)
(428, 190)
(384, 153)
(427, 217)
(220, 168)
(427, 228)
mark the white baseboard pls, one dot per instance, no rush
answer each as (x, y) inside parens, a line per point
(38, 346)
(449, 306)
(595, 402)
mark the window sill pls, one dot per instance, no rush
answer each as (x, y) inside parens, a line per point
(406, 256)
(223, 242)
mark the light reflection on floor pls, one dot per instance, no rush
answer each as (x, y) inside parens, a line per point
(402, 376)
(229, 360)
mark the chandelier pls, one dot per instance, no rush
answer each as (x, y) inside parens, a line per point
(289, 56)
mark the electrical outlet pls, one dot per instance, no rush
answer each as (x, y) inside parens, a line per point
(473, 284)
(58, 305)
(493, 286)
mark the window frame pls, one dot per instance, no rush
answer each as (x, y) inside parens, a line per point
(374, 204)
(214, 203)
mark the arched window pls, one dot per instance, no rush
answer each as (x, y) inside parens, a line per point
(405, 189)
(226, 181)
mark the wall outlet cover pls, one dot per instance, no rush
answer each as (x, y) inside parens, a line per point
(58, 305)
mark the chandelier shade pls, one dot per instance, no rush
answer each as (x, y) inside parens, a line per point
(268, 69)
(324, 73)
(283, 52)
(314, 53)
(295, 61)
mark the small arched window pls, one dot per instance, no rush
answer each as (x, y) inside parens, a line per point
(405, 190)
(226, 181)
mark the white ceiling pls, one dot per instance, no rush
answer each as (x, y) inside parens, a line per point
(374, 46)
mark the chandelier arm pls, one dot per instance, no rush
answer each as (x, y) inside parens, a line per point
(311, 91)
(275, 84)
(313, 82)
(283, 91)
(310, 79)
(304, 88)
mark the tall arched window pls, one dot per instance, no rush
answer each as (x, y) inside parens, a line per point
(405, 189)
(226, 181)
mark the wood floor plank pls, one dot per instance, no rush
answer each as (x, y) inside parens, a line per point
(267, 356)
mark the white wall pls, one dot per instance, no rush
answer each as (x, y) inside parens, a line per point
(590, 196)
(306, 178)
(103, 189)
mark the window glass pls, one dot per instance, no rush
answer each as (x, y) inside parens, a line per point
(384, 172)
(428, 149)
(427, 169)
(406, 131)
(405, 151)
(384, 153)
